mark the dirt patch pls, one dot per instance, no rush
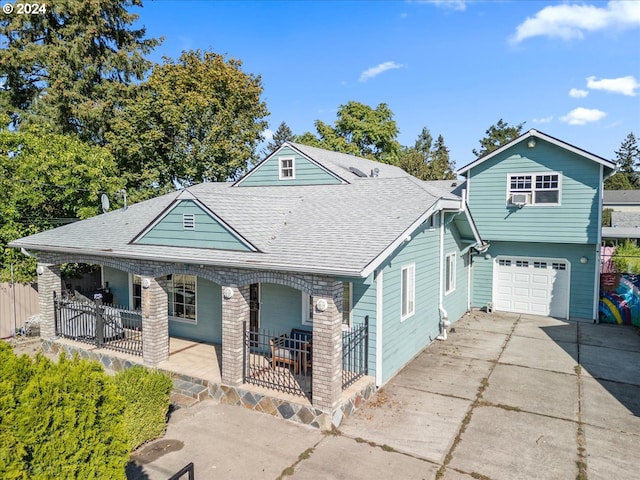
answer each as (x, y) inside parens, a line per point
(25, 345)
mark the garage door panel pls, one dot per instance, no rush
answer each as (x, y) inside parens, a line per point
(533, 286)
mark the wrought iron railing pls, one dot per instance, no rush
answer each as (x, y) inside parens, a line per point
(279, 361)
(105, 326)
(188, 469)
(355, 353)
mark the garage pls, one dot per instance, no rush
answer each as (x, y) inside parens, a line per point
(538, 286)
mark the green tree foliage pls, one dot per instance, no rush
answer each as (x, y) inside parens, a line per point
(627, 163)
(47, 179)
(147, 397)
(70, 67)
(197, 119)
(426, 160)
(281, 135)
(496, 136)
(59, 420)
(359, 130)
(626, 258)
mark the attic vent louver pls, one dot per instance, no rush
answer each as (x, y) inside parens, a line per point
(188, 221)
(356, 172)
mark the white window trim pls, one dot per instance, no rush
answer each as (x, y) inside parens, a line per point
(188, 321)
(531, 193)
(293, 168)
(450, 260)
(347, 327)
(412, 292)
(306, 305)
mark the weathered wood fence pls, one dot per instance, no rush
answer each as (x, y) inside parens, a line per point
(18, 302)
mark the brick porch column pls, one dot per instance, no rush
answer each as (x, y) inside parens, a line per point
(327, 345)
(49, 281)
(235, 310)
(155, 321)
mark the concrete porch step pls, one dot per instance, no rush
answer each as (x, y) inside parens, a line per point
(186, 393)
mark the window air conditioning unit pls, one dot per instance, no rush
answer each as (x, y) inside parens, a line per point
(520, 199)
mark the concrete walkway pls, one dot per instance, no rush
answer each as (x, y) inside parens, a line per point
(505, 397)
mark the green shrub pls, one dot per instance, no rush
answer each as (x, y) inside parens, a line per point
(626, 258)
(146, 395)
(60, 420)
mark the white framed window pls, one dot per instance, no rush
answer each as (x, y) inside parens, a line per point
(534, 189)
(188, 221)
(408, 291)
(307, 309)
(182, 298)
(449, 273)
(287, 168)
(347, 303)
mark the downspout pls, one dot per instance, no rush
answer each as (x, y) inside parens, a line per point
(597, 260)
(444, 317)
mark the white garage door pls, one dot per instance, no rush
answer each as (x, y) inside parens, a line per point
(538, 286)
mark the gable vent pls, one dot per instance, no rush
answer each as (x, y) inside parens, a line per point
(188, 221)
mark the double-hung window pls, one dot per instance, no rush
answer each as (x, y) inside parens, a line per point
(287, 168)
(408, 291)
(534, 189)
(182, 298)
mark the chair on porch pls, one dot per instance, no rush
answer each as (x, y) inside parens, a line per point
(282, 353)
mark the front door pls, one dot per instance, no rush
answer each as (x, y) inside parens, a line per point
(254, 311)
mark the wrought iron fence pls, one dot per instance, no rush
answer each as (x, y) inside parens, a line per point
(105, 326)
(279, 361)
(188, 469)
(355, 353)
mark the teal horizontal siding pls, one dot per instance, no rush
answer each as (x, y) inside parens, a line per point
(574, 221)
(581, 281)
(208, 232)
(280, 308)
(456, 302)
(306, 172)
(118, 281)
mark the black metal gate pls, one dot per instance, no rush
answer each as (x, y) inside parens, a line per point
(105, 326)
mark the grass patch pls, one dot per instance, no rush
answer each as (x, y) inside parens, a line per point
(306, 454)
(387, 448)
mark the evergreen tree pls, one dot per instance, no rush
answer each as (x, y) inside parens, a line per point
(627, 162)
(281, 135)
(496, 136)
(440, 166)
(70, 66)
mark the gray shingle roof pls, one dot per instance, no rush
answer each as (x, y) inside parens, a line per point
(631, 197)
(338, 229)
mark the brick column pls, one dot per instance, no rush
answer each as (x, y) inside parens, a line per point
(235, 310)
(327, 345)
(49, 281)
(155, 321)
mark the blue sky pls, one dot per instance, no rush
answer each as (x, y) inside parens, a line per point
(569, 69)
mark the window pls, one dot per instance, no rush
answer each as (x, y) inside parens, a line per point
(347, 299)
(450, 273)
(182, 298)
(408, 291)
(534, 189)
(307, 309)
(188, 221)
(136, 292)
(287, 168)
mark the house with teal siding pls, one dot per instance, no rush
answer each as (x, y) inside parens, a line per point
(313, 272)
(538, 201)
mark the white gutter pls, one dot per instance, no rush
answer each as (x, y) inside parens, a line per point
(596, 281)
(469, 282)
(379, 307)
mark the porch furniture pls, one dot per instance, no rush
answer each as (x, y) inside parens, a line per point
(293, 350)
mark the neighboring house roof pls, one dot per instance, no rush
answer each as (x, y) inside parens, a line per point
(621, 197)
(340, 229)
(533, 134)
(620, 232)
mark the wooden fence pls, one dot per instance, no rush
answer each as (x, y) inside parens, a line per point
(18, 302)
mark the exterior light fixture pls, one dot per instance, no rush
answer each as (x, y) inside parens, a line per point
(531, 143)
(40, 270)
(227, 293)
(146, 283)
(321, 305)
(583, 259)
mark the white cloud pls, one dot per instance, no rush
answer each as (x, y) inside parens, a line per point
(577, 93)
(457, 5)
(267, 135)
(624, 85)
(582, 116)
(548, 119)
(569, 21)
(378, 69)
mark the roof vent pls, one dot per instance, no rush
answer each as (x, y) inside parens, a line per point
(357, 172)
(375, 172)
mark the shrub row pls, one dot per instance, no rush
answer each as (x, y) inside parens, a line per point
(69, 419)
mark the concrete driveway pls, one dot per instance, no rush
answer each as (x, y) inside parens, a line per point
(505, 397)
